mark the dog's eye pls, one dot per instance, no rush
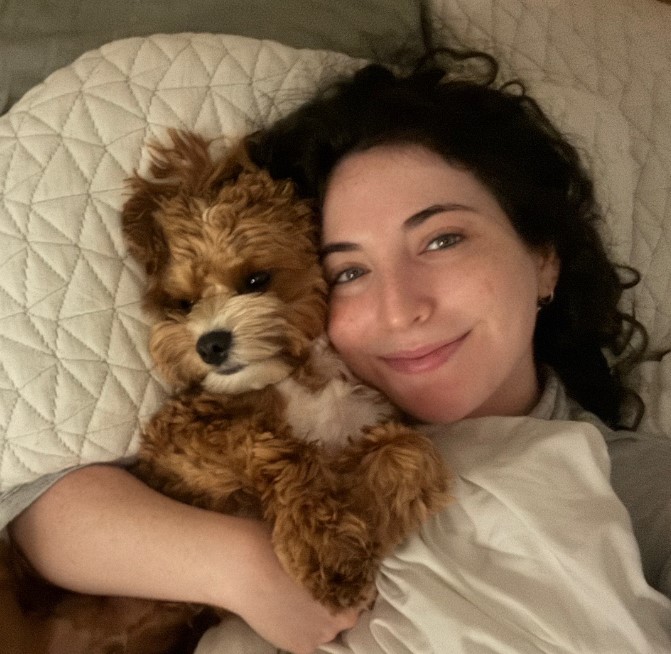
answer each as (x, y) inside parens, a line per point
(257, 282)
(183, 306)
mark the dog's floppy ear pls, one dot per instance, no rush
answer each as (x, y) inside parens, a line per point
(143, 235)
(182, 167)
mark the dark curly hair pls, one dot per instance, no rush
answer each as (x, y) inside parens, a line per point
(501, 136)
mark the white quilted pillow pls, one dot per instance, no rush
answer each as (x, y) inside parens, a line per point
(75, 376)
(602, 70)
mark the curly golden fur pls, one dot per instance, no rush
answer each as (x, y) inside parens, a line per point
(265, 419)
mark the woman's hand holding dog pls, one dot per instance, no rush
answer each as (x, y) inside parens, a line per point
(275, 606)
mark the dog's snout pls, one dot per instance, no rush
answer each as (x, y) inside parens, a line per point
(213, 347)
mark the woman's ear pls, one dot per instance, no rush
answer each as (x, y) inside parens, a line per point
(548, 267)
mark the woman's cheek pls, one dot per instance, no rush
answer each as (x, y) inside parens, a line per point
(336, 327)
(345, 330)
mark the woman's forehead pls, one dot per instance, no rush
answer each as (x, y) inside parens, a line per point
(408, 183)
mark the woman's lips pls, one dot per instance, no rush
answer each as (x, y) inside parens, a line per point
(423, 359)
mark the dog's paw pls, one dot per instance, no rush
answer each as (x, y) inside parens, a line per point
(399, 478)
(327, 549)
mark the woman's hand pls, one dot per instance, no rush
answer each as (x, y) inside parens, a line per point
(275, 606)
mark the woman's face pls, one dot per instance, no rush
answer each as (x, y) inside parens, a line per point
(433, 293)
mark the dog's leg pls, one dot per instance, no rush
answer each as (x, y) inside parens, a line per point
(99, 625)
(37, 617)
(201, 450)
(397, 480)
(21, 634)
(381, 488)
(335, 518)
(318, 536)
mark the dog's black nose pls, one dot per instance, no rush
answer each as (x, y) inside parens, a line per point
(213, 347)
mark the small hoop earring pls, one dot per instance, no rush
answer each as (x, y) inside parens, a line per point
(544, 301)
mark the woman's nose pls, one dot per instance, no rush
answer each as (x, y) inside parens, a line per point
(404, 299)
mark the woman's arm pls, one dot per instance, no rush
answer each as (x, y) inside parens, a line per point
(99, 530)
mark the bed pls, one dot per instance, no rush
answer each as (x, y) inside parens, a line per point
(81, 98)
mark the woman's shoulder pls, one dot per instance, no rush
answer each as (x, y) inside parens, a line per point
(556, 404)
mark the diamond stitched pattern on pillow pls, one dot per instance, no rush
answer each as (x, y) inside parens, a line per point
(75, 377)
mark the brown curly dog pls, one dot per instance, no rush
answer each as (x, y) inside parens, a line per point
(265, 419)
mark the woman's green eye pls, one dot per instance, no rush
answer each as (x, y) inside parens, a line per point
(348, 275)
(444, 241)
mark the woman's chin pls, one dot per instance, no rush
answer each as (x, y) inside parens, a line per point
(431, 408)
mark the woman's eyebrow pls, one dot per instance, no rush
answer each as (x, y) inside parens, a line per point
(337, 247)
(409, 223)
(421, 216)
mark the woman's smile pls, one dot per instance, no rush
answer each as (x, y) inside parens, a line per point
(424, 359)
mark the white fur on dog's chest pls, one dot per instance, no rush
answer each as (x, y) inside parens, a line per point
(331, 415)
